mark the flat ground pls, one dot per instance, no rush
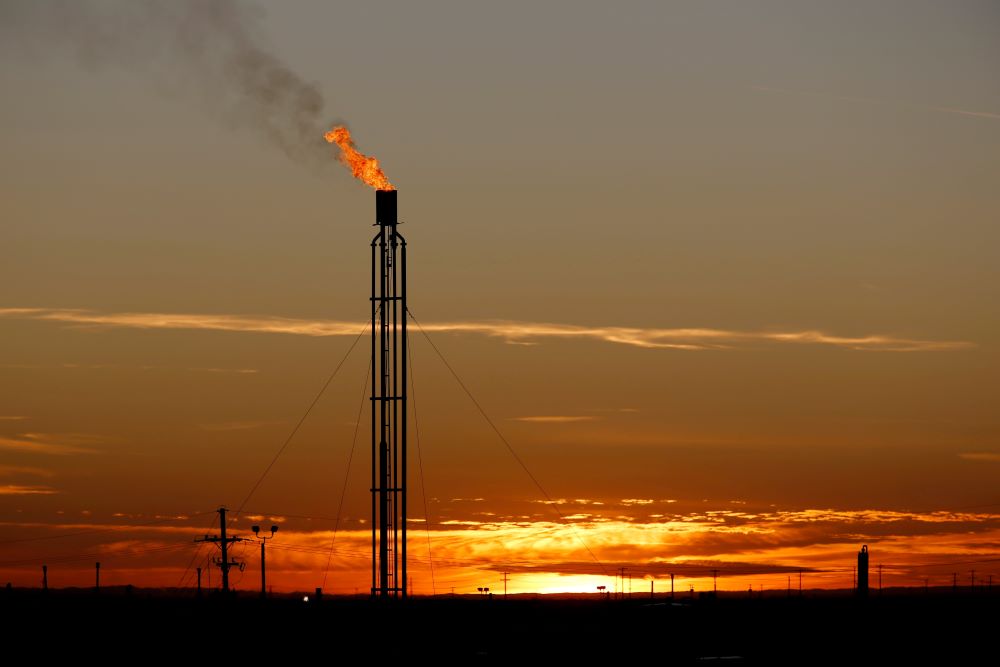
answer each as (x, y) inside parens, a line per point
(899, 627)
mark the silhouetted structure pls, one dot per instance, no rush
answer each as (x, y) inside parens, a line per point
(389, 363)
(97, 577)
(863, 571)
(223, 541)
(263, 556)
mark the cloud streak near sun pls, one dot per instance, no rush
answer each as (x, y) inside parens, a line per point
(508, 330)
(753, 546)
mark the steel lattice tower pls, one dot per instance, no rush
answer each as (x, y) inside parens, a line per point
(388, 402)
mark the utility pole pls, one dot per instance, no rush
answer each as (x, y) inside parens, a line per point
(651, 593)
(506, 578)
(97, 577)
(880, 578)
(45, 577)
(715, 585)
(199, 582)
(223, 541)
(671, 586)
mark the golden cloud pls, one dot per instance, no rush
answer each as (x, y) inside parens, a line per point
(510, 331)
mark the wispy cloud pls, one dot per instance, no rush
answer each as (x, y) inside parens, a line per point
(56, 445)
(555, 419)
(10, 471)
(21, 490)
(237, 371)
(511, 331)
(743, 547)
(989, 457)
(870, 100)
(123, 367)
(239, 425)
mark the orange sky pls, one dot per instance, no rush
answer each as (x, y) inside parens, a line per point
(724, 277)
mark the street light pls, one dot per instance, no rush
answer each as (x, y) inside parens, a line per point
(263, 560)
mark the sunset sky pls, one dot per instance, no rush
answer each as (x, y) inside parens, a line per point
(723, 274)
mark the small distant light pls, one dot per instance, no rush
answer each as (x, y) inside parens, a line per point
(305, 599)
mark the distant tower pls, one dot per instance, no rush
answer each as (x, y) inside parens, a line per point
(863, 571)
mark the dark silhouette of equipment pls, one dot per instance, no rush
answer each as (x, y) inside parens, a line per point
(224, 563)
(863, 571)
(263, 556)
(389, 416)
(621, 582)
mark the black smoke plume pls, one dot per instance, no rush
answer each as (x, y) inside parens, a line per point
(212, 48)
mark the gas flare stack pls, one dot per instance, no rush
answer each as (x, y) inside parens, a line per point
(388, 402)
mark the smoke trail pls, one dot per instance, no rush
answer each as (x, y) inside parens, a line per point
(211, 46)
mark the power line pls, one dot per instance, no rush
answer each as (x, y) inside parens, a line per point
(350, 458)
(107, 555)
(97, 531)
(301, 421)
(504, 440)
(420, 465)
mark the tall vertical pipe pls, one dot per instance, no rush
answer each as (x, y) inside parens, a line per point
(389, 414)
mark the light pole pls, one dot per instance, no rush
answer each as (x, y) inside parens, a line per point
(263, 560)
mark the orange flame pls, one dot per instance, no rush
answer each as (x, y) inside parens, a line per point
(363, 167)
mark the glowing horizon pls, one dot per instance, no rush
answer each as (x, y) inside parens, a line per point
(687, 289)
(763, 548)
